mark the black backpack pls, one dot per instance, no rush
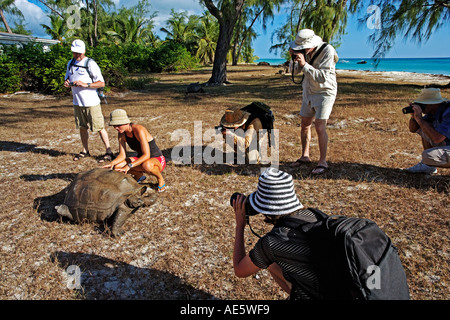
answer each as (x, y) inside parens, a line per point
(354, 259)
(263, 112)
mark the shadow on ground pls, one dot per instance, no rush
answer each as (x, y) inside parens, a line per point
(102, 278)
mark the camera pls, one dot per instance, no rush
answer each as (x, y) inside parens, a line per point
(218, 129)
(298, 52)
(409, 109)
(71, 84)
(249, 211)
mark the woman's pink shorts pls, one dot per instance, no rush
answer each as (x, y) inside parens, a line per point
(160, 159)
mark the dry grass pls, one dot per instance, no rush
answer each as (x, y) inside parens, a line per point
(181, 248)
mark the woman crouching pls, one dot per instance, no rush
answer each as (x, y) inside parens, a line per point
(149, 158)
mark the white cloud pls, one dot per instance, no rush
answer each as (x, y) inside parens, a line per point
(34, 16)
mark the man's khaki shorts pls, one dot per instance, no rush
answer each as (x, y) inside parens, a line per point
(89, 117)
(322, 112)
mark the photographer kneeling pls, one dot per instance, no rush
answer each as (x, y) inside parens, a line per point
(434, 128)
(236, 119)
(283, 251)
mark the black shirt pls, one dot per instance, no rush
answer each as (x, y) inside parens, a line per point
(290, 249)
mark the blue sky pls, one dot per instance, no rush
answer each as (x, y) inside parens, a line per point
(354, 43)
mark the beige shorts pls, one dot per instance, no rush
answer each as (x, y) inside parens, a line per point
(437, 157)
(320, 112)
(89, 117)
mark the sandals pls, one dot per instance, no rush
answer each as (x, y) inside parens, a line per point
(81, 155)
(162, 188)
(106, 157)
(319, 170)
(299, 162)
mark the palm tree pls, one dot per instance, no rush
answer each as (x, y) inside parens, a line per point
(207, 33)
(131, 29)
(180, 28)
(8, 6)
(57, 29)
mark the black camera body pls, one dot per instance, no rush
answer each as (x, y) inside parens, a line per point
(298, 52)
(409, 109)
(249, 211)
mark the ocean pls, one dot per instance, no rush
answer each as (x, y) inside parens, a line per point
(440, 66)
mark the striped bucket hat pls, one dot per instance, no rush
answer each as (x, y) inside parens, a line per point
(275, 194)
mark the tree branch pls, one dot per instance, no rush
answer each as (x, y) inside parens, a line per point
(53, 10)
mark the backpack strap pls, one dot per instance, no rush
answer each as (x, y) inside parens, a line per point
(86, 66)
(318, 52)
(303, 224)
(311, 61)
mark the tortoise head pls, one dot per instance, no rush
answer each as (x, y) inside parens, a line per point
(137, 199)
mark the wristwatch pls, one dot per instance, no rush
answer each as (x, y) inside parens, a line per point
(89, 85)
(130, 165)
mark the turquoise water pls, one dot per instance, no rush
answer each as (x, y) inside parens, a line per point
(418, 65)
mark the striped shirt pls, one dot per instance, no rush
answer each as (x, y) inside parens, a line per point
(290, 249)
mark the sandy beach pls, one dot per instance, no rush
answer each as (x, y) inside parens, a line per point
(396, 76)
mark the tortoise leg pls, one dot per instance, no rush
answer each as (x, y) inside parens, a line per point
(122, 214)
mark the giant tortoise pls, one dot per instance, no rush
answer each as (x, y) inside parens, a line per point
(99, 194)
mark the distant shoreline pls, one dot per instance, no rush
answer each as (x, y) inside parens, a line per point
(403, 76)
(432, 66)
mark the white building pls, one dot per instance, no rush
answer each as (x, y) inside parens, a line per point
(19, 39)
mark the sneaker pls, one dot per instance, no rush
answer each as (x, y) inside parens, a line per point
(421, 168)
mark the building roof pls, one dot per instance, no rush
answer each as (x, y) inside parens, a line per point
(14, 38)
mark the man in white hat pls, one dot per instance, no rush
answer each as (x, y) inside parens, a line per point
(434, 128)
(83, 75)
(317, 61)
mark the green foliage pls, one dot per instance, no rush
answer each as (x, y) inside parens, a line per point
(171, 56)
(9, 73)
(30, 68)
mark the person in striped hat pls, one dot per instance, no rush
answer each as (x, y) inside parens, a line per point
(283, 251)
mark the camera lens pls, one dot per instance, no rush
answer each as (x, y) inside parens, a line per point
(408, 109)
(234, 197)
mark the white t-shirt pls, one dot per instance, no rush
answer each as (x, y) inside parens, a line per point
(84, 97)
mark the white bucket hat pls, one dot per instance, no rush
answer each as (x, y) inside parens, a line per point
(430, 96)
(118, 117)
(78, 46)
(305, 39)
(275, 194)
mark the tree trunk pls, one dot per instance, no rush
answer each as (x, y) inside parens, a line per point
(227, 17)
(241, 44)
(236, 41)
(4, 21)
(219, 72)
(95, 23)
(88, 15)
